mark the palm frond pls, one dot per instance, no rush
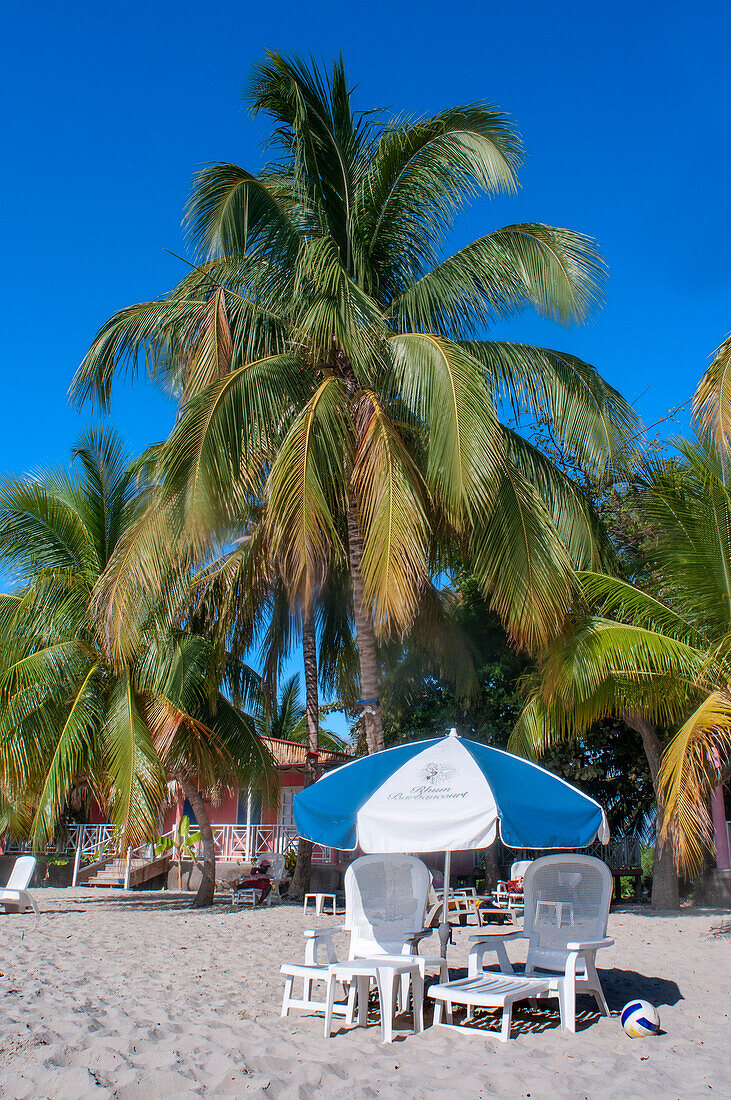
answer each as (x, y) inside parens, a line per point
(421, 174)
(557, 271)
(72, 750)
(139, 788)
(520, 561)
(692, 766)
(391, 501)
(305, 488)
(712, 399)
(444, 389)
(590, 418)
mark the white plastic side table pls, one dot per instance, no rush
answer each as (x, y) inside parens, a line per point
(385, 969)
(319, 901)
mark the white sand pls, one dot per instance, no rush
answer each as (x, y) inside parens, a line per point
(139, 996)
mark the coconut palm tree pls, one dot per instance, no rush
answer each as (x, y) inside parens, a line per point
(68, 709)
(660, 660)
(329, 360)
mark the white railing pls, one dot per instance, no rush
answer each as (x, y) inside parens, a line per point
(247, 842)
(93, 842)
(233, 842)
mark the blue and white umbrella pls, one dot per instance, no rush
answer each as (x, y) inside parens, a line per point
(445, 795)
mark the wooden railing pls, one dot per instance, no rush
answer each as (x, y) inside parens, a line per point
(621, 852)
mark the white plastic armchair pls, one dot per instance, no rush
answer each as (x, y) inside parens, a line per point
(567, 900)
(385, 904)
(14, 896)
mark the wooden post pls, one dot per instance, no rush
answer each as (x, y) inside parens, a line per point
(128, 868)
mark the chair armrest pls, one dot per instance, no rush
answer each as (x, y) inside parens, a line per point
(422, 933)
(496, 943)
(323, 933)
(321, 937)
(590, 945)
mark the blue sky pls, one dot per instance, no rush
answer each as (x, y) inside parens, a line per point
(109, 108)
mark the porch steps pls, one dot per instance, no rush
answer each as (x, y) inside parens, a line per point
(141, 871)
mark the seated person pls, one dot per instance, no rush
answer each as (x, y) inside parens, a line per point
(257, 879)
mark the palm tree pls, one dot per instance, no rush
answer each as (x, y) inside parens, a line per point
(68, 709)
(328, 361)
(660, 660)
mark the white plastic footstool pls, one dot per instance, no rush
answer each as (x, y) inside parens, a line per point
(488, 991)
(385, 969)
(319, 902)
(310, 974)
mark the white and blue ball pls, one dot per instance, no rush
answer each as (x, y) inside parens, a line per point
(640, 1018)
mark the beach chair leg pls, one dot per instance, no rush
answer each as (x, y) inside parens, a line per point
(364, 985)
(403, 993)
(350, 1014)
(329, 1001)
(470, 1014)
(288, 982)
(567, 1005)
(507, 1021)
(307, 989)
(386, 980)
(417, 991)
(595, 986)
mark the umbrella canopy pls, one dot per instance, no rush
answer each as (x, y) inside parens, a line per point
(447, 794)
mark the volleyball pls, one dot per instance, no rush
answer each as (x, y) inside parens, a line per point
(640, 1018)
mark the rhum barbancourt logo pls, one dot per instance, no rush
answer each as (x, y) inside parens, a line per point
(436, 784)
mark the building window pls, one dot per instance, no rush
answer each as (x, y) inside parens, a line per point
(286, 807)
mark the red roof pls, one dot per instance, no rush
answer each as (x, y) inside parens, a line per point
(292, 753)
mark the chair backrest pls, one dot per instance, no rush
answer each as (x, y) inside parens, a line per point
(567, 900)
(22, 873)
(517, 870)
(385, 903)
(276, 870)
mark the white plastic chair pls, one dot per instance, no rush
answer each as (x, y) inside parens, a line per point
(385, 903)
(567, 900)
(15, 897)
(276, 875)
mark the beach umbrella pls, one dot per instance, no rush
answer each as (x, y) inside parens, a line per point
(445, 795)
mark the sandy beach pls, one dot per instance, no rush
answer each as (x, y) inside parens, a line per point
(139, 997)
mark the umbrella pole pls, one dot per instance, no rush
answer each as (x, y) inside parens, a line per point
(444, 926)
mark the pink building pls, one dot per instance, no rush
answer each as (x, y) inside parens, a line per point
(244, 826)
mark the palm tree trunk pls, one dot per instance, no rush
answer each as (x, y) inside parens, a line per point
(301, 880)
(664, 875)
(365, 637)
(207, 888)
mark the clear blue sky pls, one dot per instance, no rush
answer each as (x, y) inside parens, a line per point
(108, 109)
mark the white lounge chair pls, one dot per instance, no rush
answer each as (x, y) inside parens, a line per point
(275, 874)
(506, 899)
(567, 900)
(15, 897)
(385, 903)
